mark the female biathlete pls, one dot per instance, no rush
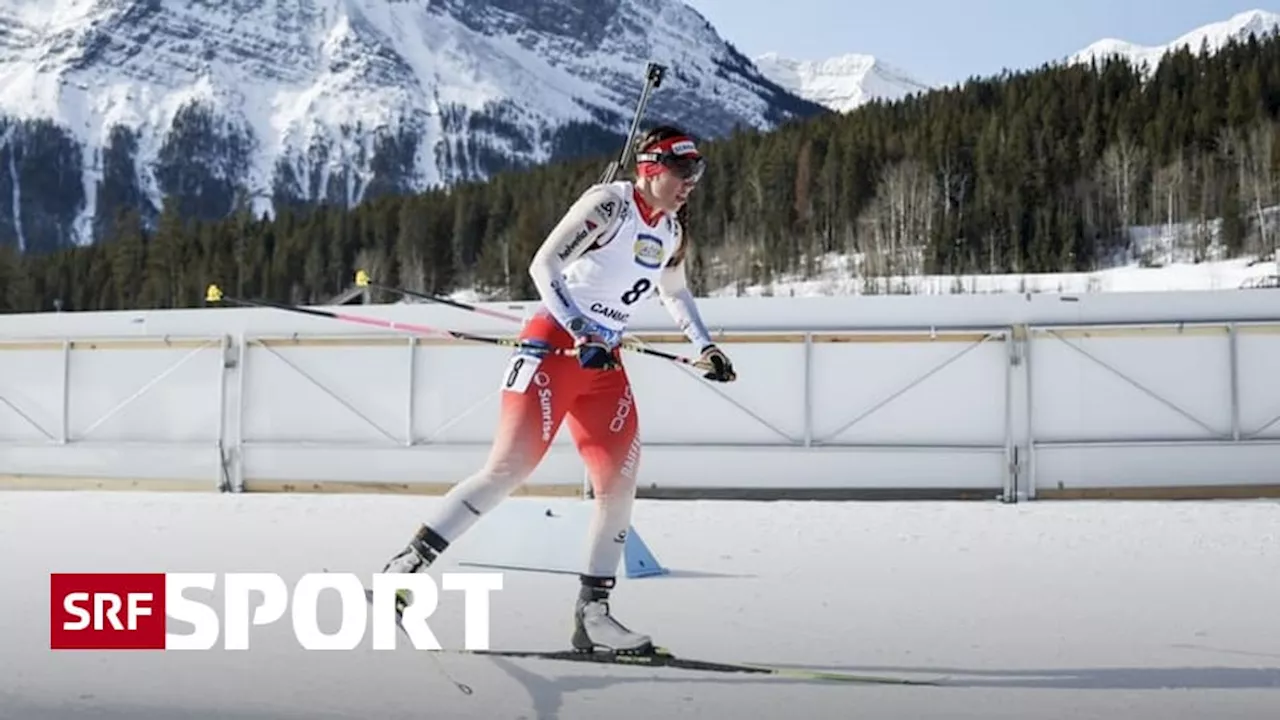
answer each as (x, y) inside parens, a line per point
(618, 244)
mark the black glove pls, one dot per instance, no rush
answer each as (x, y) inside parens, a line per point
(592, 344)
(721, 368)
(595, 354)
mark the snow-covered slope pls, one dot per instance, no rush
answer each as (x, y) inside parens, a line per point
(283, 101)
(1213, 35)
(840, 83)
(1179, 257)
(1135, 610)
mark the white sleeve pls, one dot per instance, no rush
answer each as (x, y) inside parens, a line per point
(593, 215)
(673, 289)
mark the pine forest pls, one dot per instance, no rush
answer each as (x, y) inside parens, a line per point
(1035, 171)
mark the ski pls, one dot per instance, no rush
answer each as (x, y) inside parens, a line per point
(663, 658)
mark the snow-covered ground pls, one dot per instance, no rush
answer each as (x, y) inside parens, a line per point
(1158, 258)
(1038, 610)
(836, 278)
(837, 275)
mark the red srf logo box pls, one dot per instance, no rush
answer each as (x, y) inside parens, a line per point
(107, 611)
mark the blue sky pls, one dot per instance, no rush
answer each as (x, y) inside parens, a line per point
(938, 41)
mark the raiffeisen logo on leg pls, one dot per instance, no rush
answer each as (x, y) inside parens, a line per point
(130, 611)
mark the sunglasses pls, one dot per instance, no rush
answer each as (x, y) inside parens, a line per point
(686, 167)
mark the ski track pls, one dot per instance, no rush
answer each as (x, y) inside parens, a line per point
(1040, 610)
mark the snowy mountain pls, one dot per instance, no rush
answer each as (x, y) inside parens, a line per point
(840, 83)
(1213, 35)
(110, 105)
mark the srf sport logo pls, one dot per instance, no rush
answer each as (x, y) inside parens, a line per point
(133, 611)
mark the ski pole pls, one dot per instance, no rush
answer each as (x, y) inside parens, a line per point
(362, 280)
(215, 295)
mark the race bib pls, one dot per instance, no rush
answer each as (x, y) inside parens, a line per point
(520, 370)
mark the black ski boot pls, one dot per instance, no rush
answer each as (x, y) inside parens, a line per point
(416, 557)
(596, 630)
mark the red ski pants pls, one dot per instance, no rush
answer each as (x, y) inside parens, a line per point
(539, 394)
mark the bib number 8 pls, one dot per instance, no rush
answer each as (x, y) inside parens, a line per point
(520, 370)
(636, 292)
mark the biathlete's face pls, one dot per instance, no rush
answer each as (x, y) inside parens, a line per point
(671, 191)
(672, 168)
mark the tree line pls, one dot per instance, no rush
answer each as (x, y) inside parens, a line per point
(1043, 170)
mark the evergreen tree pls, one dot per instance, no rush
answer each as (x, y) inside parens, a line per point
(1037, 171)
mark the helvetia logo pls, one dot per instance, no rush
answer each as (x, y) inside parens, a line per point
(130, 611)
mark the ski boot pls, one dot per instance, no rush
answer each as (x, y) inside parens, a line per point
(596, 630)
(416, 557)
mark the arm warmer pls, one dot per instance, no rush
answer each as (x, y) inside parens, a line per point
(676, 297)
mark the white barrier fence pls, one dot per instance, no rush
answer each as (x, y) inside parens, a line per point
(1015, 397)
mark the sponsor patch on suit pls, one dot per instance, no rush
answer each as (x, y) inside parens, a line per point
(648, 251)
